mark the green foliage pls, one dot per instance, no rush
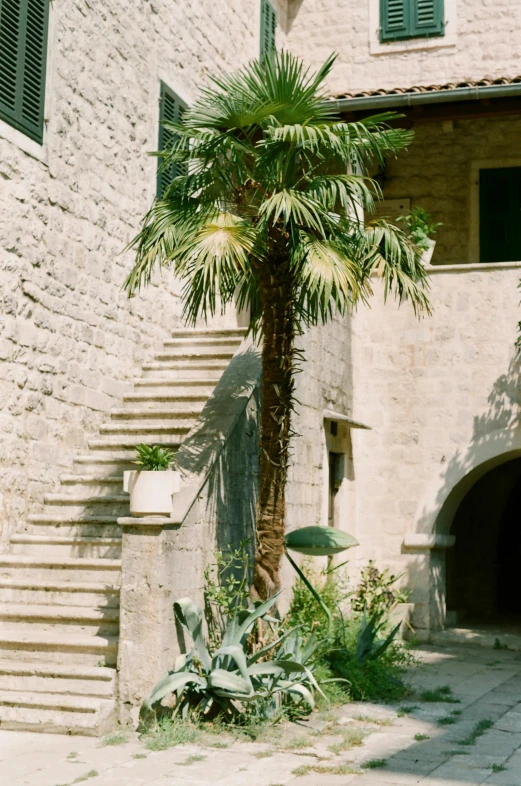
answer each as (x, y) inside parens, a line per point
(229, 681)
(421, 737)
(368, 644)
(153, 458)
(374, 764)
(479, 729)
(420, 227)
(255, 190)
(304, 610)
(498, 768)
(226, 589)
(439, 694)
(169, 732)
(119, 738)
(375, 594)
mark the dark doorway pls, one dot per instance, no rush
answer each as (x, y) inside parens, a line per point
(484, 565)
(500, 214)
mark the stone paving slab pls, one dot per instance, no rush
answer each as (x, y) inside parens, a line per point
(488, 684)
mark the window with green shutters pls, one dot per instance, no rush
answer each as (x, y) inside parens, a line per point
(411, 19)
(23, 55)
(170, 108)
(268, 29)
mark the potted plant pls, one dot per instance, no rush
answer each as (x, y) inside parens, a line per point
(421, 227)
(151, 486)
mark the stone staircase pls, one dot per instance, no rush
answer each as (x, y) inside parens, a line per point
(59, 582)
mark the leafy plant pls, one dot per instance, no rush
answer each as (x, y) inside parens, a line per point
(226, 589)
(265, 209)
(223, 682)
(479, 729)
(153, 458)
(420, 227)
(369, 646)
(375, 593)
(440, 694)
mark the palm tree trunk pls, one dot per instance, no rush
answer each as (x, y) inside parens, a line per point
(277, 388)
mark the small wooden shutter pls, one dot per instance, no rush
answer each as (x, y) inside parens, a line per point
(500, 215)
(268, 30)
(411, 19)
(171, 108)
(23, 55)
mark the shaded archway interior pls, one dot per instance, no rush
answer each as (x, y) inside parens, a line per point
(483, 566)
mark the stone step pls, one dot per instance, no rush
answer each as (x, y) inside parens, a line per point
(129, 442)
(102, 526)
(177, 427)
(214, 343)
(55, 713)
(61, 593)
(67, 620)
(63, 648)
(66, 546)
(105, 465)
(181, 386)
(19, 566)
(93, 484)
(54, 678)
(183, 369)
(201, 333)
(195, 353)
(79, 504)
(160, 413)
(163, 400)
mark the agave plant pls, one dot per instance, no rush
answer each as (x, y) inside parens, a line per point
(225, 681)
(369, 645)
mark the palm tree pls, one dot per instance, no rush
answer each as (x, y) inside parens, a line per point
(267, 208)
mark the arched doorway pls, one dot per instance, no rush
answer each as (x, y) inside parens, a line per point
(483, 566)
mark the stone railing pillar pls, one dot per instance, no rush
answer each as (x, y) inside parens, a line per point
(145, 645)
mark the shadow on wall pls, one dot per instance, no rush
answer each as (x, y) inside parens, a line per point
(496, 439)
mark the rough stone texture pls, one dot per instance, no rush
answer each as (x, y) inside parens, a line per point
(435, 173)
(70, 341)
(486, 44)
(442, 398)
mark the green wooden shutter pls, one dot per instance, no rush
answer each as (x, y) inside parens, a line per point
(411, 19)
(23, 56)
(171, 108)
(268, 29)
(500, 215)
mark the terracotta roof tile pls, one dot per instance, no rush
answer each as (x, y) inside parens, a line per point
(502, 80)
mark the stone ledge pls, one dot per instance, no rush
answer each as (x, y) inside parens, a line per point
(471, 267)
(419, 540)
(147, 521)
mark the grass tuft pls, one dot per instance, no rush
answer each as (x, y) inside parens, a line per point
(375, 721)
(263, 754)
(498, 768)
(374, 764)
(336, 769)
(119, 738)
(192, 759)
(91, 774)
(351, 738)
(443, 694)
(479, 729)
(139, 756)
(421, 737)
(169, 733)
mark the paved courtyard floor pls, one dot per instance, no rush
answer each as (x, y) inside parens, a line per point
(472, 737)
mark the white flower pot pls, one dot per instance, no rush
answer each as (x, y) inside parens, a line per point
(151, 492)
(427, 254)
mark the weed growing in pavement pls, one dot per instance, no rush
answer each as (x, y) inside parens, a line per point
(440, 694)
(119, 738)
(91, 774)
(374, 764)
(375, 721)
(479, 729)
(406, 710)
(139, 756)
(263, 754)
(338, 769)
(421, 737)
(193, 758)
(351, 738)
(498, 768)
(167, 733)
(450, 719)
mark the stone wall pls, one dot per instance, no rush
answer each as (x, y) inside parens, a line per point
(481, 41)
(442, 397)
(70, 341)
(437, 173)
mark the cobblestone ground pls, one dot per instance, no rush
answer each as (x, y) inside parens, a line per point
(471, 737)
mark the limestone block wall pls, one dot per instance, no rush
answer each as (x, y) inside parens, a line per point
(70, 341)
(481, 41)
(439, 172)
(442, 396)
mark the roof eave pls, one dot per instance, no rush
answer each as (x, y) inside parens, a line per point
(397, 100)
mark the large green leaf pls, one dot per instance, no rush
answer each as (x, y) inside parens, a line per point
(171, 683)
(318, 541)
(190, 617)
(226, 683)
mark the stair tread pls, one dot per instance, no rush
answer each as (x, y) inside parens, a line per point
(52, 700)
(151, 414)
(194, 332)
(71, 478)
(58, 586)
(72, 541)
(65, 640)
(72, 562)
(64, 670)
(71, 500)
(42, 518)
(178, 382)
(37, 610)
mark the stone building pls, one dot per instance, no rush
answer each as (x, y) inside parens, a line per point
(409, 432)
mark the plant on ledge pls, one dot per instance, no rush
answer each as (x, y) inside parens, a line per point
(153, 458)
(224, 683)
(267, 210)
(420, 227)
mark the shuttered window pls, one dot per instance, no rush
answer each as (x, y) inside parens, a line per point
(171, 109)
(268, 29)
(23, 55)
(500, 215)
(411, 19)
